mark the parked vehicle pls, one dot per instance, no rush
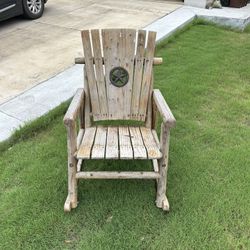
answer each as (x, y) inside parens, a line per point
(31, 9)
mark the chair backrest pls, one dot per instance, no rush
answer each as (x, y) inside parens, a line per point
(118, 70)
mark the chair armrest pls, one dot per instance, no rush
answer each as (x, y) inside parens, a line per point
(74, 107)
(163, 108)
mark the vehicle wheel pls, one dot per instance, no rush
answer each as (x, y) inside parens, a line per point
(225, 3)
(33, 8)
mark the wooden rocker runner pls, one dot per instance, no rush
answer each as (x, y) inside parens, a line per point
(118, 86)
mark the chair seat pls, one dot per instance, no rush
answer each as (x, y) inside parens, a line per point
(123, 142)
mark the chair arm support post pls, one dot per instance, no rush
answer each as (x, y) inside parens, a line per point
(163, 108)
(74, 107)
(164, 142)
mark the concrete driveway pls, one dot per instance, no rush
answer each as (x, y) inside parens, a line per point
(34, 51)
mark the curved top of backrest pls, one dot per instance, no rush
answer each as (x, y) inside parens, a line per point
(118, 66)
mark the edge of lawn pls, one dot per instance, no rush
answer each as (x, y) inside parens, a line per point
(32, 128)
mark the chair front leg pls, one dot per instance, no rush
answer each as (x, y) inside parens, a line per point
(161, 198)
(71, 201)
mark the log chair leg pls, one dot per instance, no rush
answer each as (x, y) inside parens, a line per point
(161, 198)
(71, 201)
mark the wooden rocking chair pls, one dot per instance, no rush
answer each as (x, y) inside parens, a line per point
(118, 86)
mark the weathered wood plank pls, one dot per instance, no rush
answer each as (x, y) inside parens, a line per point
(150, 144)
(90, 73)
(137, 143)
(79, 165)
(117, 175)
(74, 107)
(154, 133)
(147, 71)
(126, 57)
(126, 151)
(84, 151)
(149, 114)
(98, 150)
(118, 50)
(110, 40)
(87, 110)
(112, 150)
(163, 108)
(138, 69)
(97, 51)
(72, 165)
(79, 137)
(161, 198)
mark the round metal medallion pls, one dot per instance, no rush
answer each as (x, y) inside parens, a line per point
(118, 76)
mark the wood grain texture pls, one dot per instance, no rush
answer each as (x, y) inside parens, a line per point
(150, 144)
(117, 175)
(72, 167)
(137, 143)
(118, 50)
(126, 150)
(123, 142)
(87, 108)
(99, 147)
(74, 107)
(163, 108)
(112, 148)
(84, 151)
(147, 72)
(161, 198)
(101, 86)
(89, 66)
(138, 69)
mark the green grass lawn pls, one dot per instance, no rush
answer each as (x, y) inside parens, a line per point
(205, 80)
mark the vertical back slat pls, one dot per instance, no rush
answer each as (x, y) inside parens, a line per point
(138, 69)
(118, 50)
(87, 110)
(127, 49)
(90, 73)
(97, 51)
(147, 71)
(110, 40)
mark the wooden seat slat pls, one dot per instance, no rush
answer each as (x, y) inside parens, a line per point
(112, 149)
(137, 143)
(126, 150)
(150, 143)
(84, 151)
(98, 150)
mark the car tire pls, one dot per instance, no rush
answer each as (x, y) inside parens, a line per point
(225, 3)
(33, 9)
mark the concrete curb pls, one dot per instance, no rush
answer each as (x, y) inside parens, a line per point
(45, 96)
